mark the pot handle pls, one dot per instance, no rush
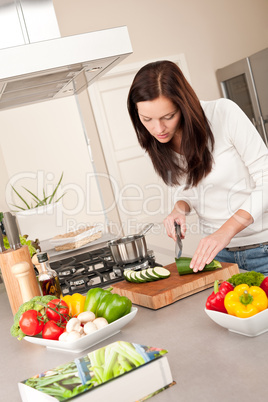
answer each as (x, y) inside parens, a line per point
(146, 229)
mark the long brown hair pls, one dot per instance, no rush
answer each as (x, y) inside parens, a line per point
(165, 78)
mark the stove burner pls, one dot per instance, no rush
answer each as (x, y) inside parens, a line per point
(108, 258)
(96, 268)
(66, 271)
(79, 280)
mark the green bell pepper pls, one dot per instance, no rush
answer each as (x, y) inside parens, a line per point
(94, 297)
(113, 306)
(105, 304)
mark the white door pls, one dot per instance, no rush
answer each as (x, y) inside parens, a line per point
(140, 194)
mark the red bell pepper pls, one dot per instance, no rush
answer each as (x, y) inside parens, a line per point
(264, 285)
(216, 300)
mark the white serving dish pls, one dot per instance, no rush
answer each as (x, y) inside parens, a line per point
(88, 340)
(61, 241)
(252, 326)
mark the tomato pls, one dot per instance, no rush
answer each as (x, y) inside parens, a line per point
(52, 330)
(57, 310)
(31, 322)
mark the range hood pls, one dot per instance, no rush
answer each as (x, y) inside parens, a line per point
(44, 66)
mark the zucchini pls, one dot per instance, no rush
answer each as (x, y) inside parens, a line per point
(132, 277)
(127, 273)
(146, 275)
(139, 278)
(183, 266)
(161, 272)
(151, 275)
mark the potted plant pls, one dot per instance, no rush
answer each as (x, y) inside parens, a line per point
(46, 200)
(42, 217)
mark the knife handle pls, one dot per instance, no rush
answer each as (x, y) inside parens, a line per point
(177, 229)
(2, 246)
(12, 230)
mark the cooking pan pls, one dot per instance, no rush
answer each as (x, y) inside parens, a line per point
(130, 248)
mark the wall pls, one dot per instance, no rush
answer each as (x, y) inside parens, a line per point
(4, 176)
(43, 140)
(211, 33)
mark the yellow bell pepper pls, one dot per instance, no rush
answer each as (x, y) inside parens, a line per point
(75, 303)
(245, 301)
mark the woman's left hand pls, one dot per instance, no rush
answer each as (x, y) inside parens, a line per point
(207, 250)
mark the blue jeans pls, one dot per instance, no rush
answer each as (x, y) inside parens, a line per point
(254, 259)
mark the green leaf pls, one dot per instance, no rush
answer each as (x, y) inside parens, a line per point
(54, 192)
(60, 197)
(22, 199)
(37, 200)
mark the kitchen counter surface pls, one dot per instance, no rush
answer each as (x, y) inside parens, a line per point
(208, 362)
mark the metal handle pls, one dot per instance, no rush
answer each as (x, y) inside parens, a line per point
(12, 230)
(146, 229)
(177, 229)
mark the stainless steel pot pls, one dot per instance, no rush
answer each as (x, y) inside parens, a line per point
(130, 248)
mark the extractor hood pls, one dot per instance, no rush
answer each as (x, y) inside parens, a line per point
(46, 66)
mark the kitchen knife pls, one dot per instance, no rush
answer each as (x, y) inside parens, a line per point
(178, 245)
(12, 230)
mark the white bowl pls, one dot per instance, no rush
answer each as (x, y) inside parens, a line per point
(88, 340)
(252, 326)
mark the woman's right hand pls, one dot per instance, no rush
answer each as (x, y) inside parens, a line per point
(178, 215)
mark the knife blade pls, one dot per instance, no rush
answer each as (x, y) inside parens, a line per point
(178, 244)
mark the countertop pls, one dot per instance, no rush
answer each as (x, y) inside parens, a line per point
(208, 362)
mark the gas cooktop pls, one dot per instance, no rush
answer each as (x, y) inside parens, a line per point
(95, 268)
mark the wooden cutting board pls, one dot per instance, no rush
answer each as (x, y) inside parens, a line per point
(161, 293)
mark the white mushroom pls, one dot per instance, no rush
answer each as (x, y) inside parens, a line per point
(73, 325)
(73, 336)
(100, 322)
(63, 336)
(86, 316)
(90, 327)
(79, 329)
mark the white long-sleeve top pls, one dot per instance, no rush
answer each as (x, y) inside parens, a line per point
(239, 176)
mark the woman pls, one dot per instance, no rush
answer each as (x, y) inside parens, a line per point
(215, 156)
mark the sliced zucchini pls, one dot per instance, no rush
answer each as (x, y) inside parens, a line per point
(161, 272)
(146, 275)
(151, 274)
(143, 275)
(132, 277)
(139, 278)
(128, 275)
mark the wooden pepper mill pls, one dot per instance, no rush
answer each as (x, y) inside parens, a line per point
(21, 270)
(8, 259)
(27, 285)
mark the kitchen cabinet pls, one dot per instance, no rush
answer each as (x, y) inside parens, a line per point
(208, 362)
